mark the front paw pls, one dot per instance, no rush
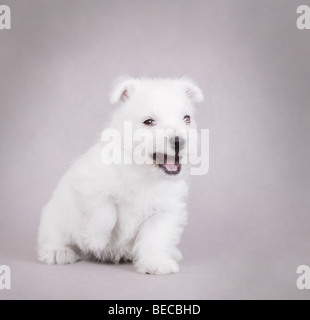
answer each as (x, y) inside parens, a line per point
(58, 255)
(95, 245)
(159, 266)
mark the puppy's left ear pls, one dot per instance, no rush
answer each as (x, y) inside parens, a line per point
(122, 90)
(193, 92)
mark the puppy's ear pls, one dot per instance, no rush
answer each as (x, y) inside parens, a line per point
(122, 90)
(193, 92)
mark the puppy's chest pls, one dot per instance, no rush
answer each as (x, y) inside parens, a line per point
(137, 209)
(141, 202)
(137, 206)
(133, 212)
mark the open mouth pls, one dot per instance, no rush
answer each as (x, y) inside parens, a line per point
(169, 164)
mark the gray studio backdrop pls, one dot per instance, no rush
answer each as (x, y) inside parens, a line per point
(249, 217)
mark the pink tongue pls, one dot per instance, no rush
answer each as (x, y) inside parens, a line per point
(171, 167)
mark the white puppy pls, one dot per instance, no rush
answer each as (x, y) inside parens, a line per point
(128, 212)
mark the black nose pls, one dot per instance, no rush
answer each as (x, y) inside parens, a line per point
(177, 143)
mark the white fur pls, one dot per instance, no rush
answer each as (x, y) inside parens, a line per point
(129, 212)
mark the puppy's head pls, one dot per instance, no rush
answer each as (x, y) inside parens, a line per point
(161, 112)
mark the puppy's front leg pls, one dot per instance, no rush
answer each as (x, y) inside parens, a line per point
(155, 249)
(97, 227)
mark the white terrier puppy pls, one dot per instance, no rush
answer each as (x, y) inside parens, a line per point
(128, 212)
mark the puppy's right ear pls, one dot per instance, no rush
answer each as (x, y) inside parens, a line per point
(122, 90)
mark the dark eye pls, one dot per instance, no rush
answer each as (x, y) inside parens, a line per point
(149, 122)
(187, 119)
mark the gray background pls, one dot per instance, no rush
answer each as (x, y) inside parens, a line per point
(249, 217)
